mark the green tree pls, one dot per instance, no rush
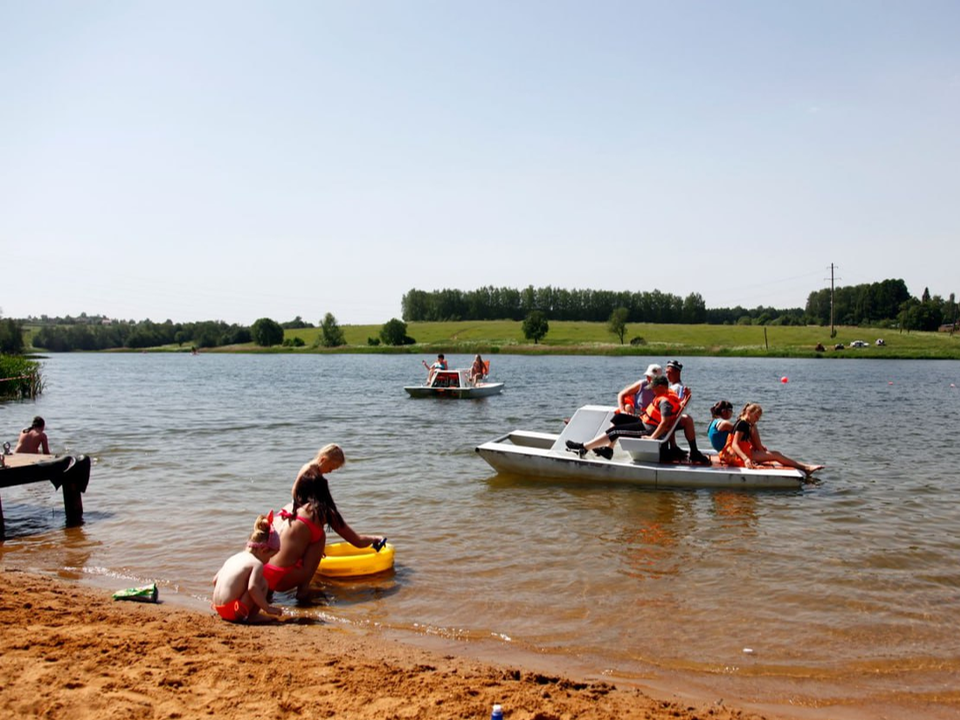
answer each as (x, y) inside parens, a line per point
(266, 332)
(535, 326)
(11, 337)
(394, 332)
(330, 333)
(618, 322)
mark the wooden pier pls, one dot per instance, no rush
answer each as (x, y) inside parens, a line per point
(66, 471)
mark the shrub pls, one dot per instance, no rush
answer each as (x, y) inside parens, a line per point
(394, 332)
(266, 332)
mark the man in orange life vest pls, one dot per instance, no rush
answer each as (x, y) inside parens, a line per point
(653, 423)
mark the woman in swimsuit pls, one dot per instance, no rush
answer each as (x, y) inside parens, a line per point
(744, 448)
(301, 527)
(477, 370)
(721, 426)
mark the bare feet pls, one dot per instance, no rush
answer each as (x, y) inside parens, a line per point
(811, 469)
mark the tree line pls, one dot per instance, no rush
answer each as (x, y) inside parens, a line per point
(582, 305)
(885, 303)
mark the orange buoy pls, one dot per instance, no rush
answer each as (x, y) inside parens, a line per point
(784, 379)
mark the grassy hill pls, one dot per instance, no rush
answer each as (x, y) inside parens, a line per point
(594, 339)
(584, 338)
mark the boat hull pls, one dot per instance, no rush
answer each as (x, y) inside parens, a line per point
(460, 393)
(544, 455)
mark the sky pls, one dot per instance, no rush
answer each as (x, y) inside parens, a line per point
(231, 160)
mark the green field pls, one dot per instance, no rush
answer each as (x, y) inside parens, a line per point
(594, 339)
(583, 338)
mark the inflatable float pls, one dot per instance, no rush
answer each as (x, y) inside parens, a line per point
(341, 559)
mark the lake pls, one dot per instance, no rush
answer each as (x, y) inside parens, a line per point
(845, 592)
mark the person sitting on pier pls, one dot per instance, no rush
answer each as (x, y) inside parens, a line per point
(240, 590)
(33, 439)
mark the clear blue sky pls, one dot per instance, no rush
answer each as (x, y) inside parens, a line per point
(234, 160)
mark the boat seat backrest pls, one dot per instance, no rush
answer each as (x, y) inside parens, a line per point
(648, 449)
(586, 423)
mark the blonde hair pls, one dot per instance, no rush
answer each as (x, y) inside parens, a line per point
(332, 451)
(261, 529)
(749, 408)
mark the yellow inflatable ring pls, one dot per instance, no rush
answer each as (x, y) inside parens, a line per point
(341, 559)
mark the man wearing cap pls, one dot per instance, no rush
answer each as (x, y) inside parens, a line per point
(653, 422)
(673, 371)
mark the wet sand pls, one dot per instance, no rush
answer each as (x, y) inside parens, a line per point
(73, 652)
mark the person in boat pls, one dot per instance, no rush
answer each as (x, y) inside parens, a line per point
(633, 398)
(721, 425)
(673, 371)
(477, 370)
(301, 526)
(240, 590)
(33, 439)
(744, 448)
(654, 422)
(440, 364)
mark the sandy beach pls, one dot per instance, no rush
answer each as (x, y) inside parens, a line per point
(73, 652)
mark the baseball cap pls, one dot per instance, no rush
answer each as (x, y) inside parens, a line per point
(653, 370)
(675, 365)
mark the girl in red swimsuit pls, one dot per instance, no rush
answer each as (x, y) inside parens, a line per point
(240, 591)
(301, 526)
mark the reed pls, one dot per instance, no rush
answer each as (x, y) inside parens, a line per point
(19, 377)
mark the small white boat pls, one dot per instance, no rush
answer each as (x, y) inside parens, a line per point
(454, 384)
(635, 460)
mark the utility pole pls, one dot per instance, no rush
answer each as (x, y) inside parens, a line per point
(833, 332)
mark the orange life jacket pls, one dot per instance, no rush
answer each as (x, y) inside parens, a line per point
(651, 416)
(728, 455)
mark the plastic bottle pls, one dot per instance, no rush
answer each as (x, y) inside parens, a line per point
(497, 713)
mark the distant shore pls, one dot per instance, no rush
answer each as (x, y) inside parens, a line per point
(502, 337)
(71, 652)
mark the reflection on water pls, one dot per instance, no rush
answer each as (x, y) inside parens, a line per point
(849, 584)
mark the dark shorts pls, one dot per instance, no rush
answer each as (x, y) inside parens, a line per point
(628, 426)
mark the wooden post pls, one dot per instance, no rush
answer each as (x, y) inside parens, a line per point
(74, 483)
(72, 504)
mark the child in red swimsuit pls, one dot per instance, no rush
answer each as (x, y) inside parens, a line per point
(240, 589)
(302, 526)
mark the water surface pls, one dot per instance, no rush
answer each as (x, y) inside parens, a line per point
(844, 590)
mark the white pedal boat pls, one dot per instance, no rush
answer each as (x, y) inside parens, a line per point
(454, 384)
(635, 460)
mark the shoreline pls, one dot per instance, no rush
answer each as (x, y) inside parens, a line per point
(70, 651)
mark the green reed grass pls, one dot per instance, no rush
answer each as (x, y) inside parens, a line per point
(19, 377)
